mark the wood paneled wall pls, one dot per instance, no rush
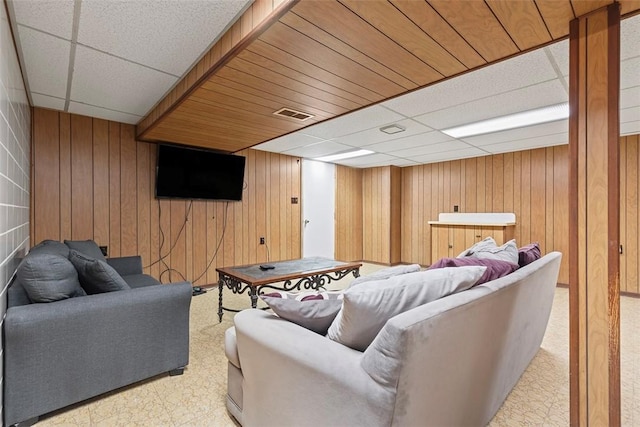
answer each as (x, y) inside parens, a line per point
(629, 219)
(93, 180)
(348, 225)
(533, 184)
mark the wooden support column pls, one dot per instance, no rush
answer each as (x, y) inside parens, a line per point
(594, 275)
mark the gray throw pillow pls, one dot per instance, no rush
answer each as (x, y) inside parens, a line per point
(313, 311)
(50, 247)
(86, 247)
(487, 242)
(366, 308)
(48, 277)
(385, 273)
(507, 252)
(96, 276)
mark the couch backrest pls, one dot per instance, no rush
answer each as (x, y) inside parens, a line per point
(454, 360)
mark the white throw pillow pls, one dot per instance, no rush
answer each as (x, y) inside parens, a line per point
(487, 242)
(367, 307)
(386, 273)
(507, 252)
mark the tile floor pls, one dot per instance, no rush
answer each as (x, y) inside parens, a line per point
(197, 398)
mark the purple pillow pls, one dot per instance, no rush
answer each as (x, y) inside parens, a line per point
(495, 268)
(528, 254)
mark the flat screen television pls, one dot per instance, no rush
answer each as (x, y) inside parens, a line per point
(192, 173)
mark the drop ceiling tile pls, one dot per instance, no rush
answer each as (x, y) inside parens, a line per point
(181, 30)
(630, 97)
(46, 60)
(411, 153)
(106, 81)
(288, 142)
(420, 140)
(319, 149)
(366, 161)
(504, 76)
(630, 73)
(375, 135)
(551, 128)
(367, 118)
(45, 101)
(560, 52)
(450, 155)
(630, 114)
(102, 113)
(528, 144)
(528, 98)
(630, 37)
(630, 128)
(51, 16)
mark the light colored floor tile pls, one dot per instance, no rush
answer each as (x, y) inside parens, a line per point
(197, 398)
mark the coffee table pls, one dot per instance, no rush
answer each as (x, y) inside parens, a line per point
(297, 274)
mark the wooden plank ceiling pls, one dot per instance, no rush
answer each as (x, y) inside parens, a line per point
(330, 57)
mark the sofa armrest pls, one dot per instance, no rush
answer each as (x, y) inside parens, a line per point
(63, 352)
(126, 265)
(283, 362)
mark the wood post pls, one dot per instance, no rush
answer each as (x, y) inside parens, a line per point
(594, 275)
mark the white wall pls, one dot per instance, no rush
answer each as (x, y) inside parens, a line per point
(15, 137)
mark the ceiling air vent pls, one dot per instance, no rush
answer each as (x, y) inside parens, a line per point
(293, 114)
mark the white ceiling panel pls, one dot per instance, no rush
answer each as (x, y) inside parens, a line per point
(288, 142)
(527, 98)
(630, 35)
(46, 101)
(630, 114)
(115, 84)
(560, 52)
(450, 155)
(630, 128)
(354, 122)
(51, 16)
(524, 70)
(630, 97)
(375, 135)
(551, 128)
(411, 153)
(46, 61)
(319, 149)
(420, 140)
(630, 72)
(528, 144)
(102, 113)
(111, 26)
(367, 161)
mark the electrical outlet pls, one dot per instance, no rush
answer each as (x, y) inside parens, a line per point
(262, 240)
(104, 250)
(455, 208)
(294, 200)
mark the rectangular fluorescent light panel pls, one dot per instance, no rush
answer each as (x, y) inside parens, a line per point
(512, 121)
(342, 156)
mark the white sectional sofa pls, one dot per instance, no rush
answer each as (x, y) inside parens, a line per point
(450, 362)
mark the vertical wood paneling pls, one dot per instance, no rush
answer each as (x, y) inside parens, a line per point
(93, 180)
(81, 178)
(349, 214)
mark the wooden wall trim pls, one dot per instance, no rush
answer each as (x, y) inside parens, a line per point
(92, 180)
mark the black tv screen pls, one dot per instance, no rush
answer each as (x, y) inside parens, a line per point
(191, 173)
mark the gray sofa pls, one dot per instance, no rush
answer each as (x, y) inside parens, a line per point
(450, 362)
(59, 353)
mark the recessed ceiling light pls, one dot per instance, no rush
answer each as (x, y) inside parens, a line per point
(391, 129)
(342, 156)
(512, 121)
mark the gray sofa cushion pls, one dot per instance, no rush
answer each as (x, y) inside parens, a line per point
(96, 276)
(140, 280)
(50, 247)
(48, 277)
(367, 307)
(507, 252)
(315, 311)
(86, 247)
